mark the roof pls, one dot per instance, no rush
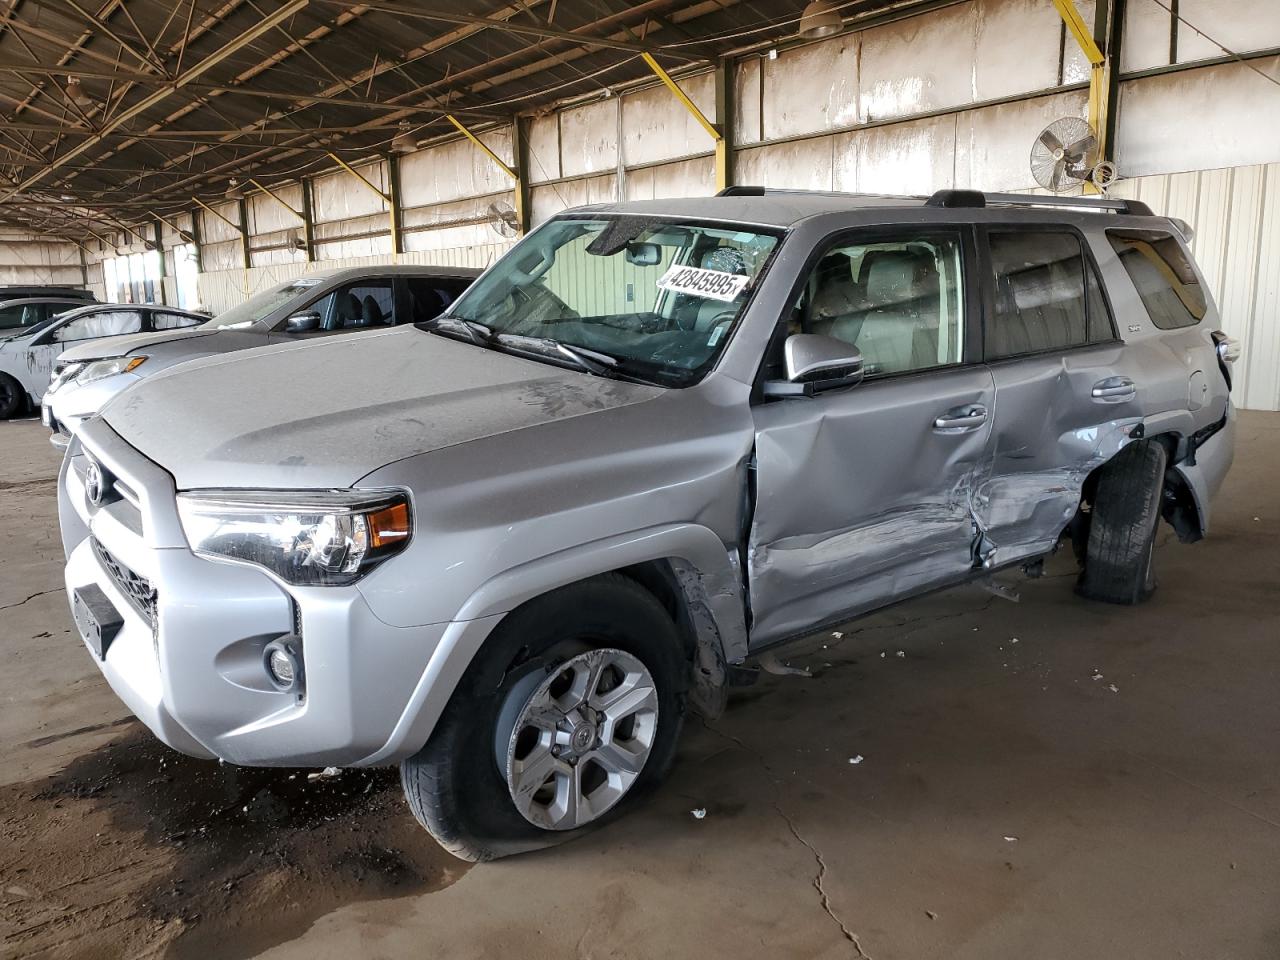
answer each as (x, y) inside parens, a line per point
(171, 99)
(393, 269)
(783, 208)
(23, 301)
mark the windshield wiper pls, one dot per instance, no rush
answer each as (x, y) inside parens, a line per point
(592, 361)
(478, 333)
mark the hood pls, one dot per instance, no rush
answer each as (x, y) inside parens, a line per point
(135, 343)
(327, 412)
(8, 337)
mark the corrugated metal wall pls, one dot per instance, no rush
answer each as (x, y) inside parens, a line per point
(950, 98)
(226, 288)
(25, 259)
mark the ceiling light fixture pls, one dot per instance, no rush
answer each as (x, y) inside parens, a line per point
(233, 191)
(820, 19)
(404, 141)
(77, 93)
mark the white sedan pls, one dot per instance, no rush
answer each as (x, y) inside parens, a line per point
(27, 359)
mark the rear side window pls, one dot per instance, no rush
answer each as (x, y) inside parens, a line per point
(173, 321)
(431, 296)
(1162, 272)
(109, 323)
(1047, 295)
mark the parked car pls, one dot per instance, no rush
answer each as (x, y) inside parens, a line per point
(19, 314)
(13, 291)
(508, 547)
(320, 304)
(27, 355)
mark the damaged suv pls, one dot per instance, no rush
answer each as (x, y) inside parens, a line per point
(509, 547)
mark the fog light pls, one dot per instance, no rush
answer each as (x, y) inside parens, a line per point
(283, 661)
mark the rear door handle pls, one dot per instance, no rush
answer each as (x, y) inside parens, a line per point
(1114, 390)
(961, 419)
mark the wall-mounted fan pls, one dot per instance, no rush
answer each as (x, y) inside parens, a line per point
(1065, 156)
(503, 219)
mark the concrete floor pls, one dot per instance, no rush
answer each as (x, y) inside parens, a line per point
(1044, 779)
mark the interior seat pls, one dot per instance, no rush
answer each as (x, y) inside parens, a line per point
(346, 312)
(836, 301)
(371, 314)
(711, 313)
(899, 329)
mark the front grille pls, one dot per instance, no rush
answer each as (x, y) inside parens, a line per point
(137, 590)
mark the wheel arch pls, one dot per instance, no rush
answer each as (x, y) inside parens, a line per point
(1179, 506)
(687, 567)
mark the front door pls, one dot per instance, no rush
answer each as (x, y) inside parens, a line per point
(1066, 390)
(864, 494)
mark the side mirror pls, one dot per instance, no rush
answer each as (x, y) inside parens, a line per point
(815, 363)
(303, 322)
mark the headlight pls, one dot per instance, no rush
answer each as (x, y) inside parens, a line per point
(304, 537)
(63, 375)
(101, 369)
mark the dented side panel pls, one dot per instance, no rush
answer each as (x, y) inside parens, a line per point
(1049, 434)
(860, 500)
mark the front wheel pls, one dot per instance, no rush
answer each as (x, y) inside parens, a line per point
(567, 716)
(12, 397)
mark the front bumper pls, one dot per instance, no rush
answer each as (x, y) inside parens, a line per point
(65, 409)
(190, 663)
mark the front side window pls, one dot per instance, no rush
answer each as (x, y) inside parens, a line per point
(173, 321)
(1046, 295)
(368, 303)
(14, 316)
(264, 303)
(109, 323)
(658, 298)
(430, 296)
(1164, 276)
(899, 300)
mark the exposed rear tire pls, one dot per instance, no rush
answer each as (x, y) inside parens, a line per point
(1118, 566)
(12, 397)
(462, 786)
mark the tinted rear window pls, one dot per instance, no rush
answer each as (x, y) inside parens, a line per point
(1047, 296)
(1164, 276)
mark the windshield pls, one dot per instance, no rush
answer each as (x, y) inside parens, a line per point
(660, 297)
(263, 304)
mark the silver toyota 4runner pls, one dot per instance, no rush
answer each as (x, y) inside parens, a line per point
(509, 547)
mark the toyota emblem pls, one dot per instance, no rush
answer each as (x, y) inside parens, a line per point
(94, 483)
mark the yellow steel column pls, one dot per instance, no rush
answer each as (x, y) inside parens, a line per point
(388, 198)
(1099, 75)
(722, 146)
(517, 173)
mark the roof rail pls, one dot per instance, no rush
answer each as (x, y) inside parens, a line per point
(978, 198)
(965, 198)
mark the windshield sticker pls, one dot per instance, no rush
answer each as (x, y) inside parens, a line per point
(708, 284)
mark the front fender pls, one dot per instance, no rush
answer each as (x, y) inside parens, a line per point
(699, 548)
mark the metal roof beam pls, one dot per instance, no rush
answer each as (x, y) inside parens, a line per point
(146, 103)
(510, 26)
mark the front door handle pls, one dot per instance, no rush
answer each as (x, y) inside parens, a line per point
(1114, 390)
(961, 419)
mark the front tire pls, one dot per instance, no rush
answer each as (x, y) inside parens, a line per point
(567, 716)
(1119, 555)
(12, 397)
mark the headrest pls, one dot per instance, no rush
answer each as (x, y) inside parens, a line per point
(836, 295)
(724, 259)
(890, 276)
